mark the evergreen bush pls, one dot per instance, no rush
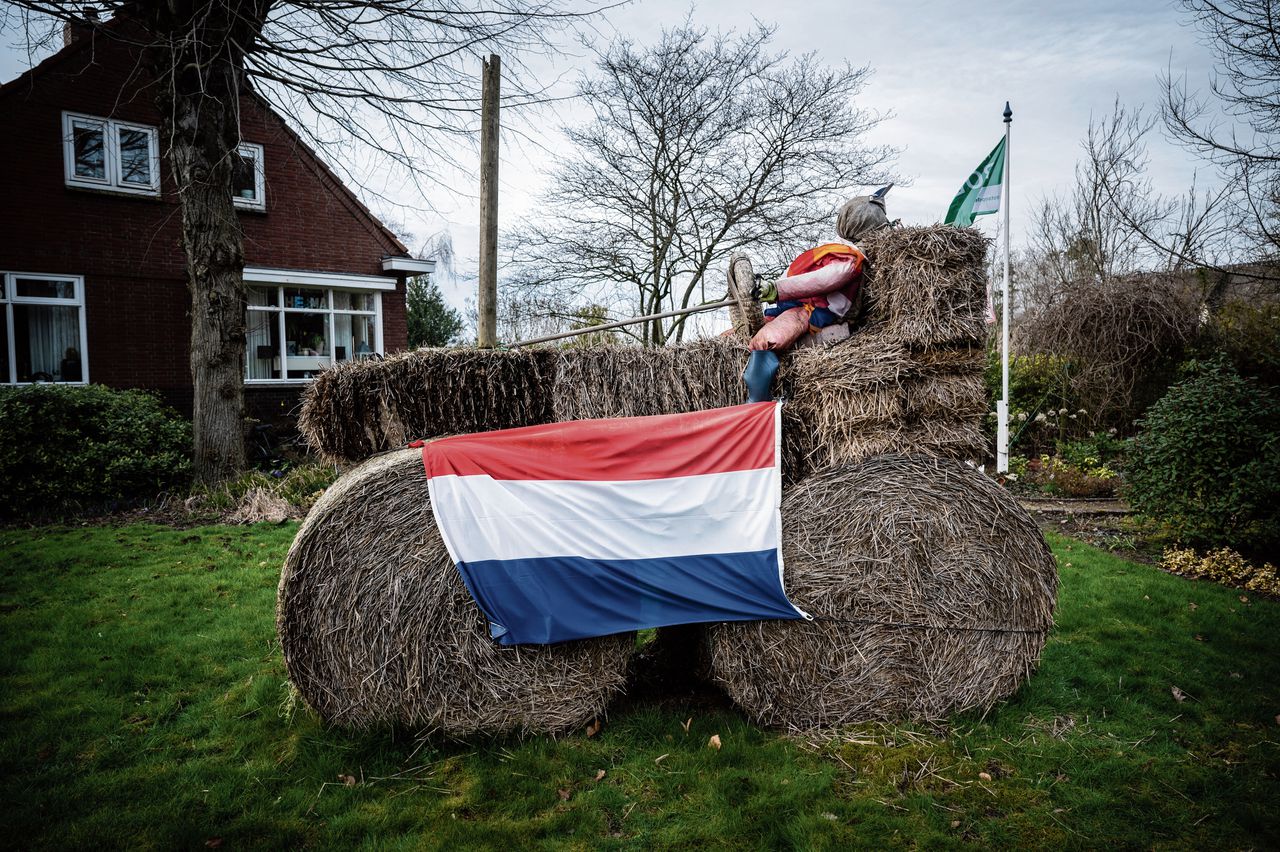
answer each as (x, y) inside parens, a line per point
(1206, 462)
(74, 448)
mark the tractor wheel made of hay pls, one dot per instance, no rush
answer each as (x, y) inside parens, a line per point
(932, 592)
(377, 627)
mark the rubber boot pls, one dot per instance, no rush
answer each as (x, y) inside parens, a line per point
(762, 366)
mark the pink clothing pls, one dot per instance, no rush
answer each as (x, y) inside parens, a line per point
(823, 280)
(782, 331)
(837, 282)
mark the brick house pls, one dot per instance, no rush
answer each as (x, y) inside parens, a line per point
(92, 273)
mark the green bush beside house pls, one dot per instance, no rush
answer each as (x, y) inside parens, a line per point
(66, 449)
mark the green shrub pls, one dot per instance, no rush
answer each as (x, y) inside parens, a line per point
(66, 448)
(1095, 452)
(1035, 381)
(1249, 334)
(1207, 461)
(1043, 409)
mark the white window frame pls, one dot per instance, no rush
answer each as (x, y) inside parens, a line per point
(113, 181)
(259, 201)
(10, 298)
(279, 280)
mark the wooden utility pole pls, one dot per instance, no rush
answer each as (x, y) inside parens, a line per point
(487, 302)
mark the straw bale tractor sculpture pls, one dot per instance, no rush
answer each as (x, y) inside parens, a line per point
(932, 590)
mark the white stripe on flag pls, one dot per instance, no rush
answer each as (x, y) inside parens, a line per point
(987, 200)
(635, 519)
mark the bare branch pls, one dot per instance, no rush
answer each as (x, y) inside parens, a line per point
(700, 145)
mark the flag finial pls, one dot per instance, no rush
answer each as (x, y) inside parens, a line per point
(1008, 113)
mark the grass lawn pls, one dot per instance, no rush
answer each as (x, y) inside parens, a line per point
(145, 705)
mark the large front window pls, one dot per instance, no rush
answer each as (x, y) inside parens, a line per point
(294, 332)
(42, 336)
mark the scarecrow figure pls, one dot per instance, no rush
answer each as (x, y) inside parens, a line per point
(813, 302)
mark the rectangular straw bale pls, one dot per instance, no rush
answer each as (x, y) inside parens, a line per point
(927, 284)
(629, 381)
(854, 445)
(949, 385)
(871, 358)
(797, 446)
(947, 397)
(362, 408)
(970, 360)
(944, 439)
(953, 439)
(846, 392)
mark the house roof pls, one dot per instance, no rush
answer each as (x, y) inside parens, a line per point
(326, 174)
(50, 63)
(306, 153)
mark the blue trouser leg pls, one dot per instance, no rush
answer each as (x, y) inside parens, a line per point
(762, 366)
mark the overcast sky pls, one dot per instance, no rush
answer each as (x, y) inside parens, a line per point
(943, 69)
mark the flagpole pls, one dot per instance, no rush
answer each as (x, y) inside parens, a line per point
(1002, 409)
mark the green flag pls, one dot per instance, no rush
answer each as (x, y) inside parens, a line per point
(981, 192)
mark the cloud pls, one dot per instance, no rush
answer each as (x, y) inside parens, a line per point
(943, 69)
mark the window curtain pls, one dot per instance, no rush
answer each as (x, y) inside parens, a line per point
(53, 343)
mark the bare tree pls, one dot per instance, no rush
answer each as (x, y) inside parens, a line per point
(1112, 223)
(1236, 130)
(377, 74)
(1102, 283)
(700, 145)
(527, 313)
(1245, 36)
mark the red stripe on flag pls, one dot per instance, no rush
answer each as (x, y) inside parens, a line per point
(740, 437)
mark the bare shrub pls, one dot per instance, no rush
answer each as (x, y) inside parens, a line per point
(1121, 340)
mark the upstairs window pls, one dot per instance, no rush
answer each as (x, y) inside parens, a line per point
(101, 153)
(248, 179)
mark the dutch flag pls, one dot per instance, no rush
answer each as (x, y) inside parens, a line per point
(594, 527)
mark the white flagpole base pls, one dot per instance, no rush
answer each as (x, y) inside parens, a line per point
(1002, 436)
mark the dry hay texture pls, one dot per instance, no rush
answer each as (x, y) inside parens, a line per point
(259, 505)
(927, 284)
(932, 592)
(889, 387)
(377, 627)
(627, 381)
(361, 408)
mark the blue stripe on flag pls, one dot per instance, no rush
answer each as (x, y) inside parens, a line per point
(557, 598)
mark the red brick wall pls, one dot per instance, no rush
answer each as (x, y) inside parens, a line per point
(128, 248)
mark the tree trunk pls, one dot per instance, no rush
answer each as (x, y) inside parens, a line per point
(215, 274)
(198, 62)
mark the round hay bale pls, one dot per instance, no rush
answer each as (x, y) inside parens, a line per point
(377, 627)
(932, 592)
